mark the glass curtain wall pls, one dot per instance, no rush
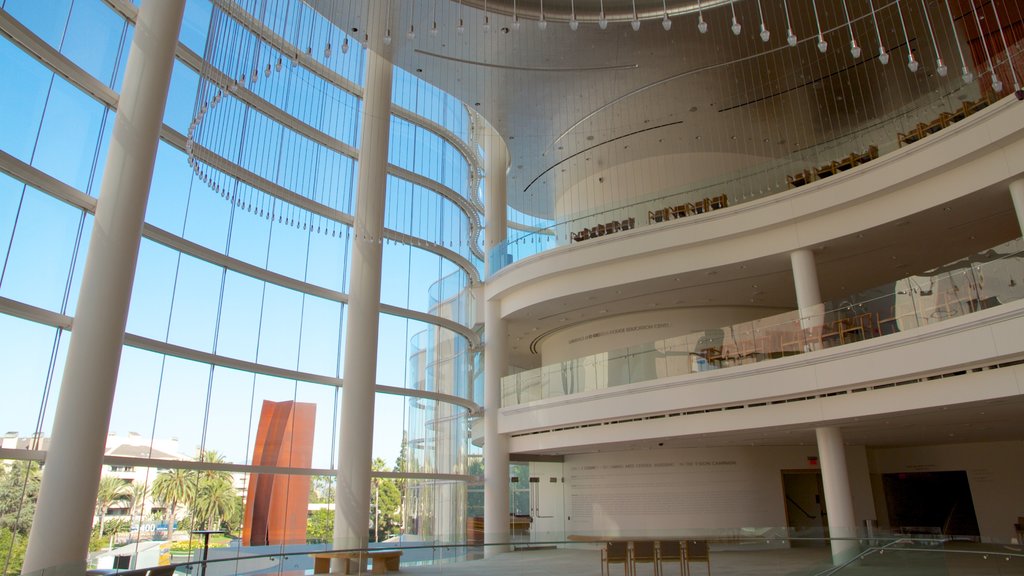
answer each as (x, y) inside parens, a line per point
(240, 294)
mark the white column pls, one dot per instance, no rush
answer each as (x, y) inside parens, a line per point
(805, 278)
(1017, 193)
(355, 442)
(67, 498)
(842, 526)
(496, 520)
(808, 295)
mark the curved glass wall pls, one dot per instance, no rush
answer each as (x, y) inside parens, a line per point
(240, 297)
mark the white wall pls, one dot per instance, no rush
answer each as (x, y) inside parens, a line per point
(995, 472)
(691, 491)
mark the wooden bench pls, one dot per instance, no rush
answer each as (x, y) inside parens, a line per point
(384, 561)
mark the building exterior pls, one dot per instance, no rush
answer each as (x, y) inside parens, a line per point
(731, 267)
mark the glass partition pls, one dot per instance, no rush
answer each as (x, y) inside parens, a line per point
(911, 122)
(982, 281)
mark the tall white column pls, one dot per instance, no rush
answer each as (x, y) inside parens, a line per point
(805, 278)
(355, 442)
(67, 498)
(1017, 193)
(496, 520)
(842, 525)
(808, 295)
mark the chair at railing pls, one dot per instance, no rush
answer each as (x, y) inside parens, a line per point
(799, 179)
(643, 552)
(670, 551)
(696, 551)
(615, 552)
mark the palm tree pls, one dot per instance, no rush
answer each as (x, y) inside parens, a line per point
(172, 487)
(136, 499)
(111, 490)
(214, 502)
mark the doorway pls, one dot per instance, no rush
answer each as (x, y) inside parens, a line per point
(805, 507)
(935, 503)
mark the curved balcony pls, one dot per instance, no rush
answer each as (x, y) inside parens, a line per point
(960, 322)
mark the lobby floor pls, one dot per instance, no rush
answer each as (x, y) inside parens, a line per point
(1000, 561)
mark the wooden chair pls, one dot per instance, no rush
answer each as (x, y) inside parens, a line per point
(721, 201)
(670, 551)
(910, 137)
(847, 163)
(826, 170)
(643, 552)
(799, 179)
(696, 551)
(682, 210)
(870, 154)
(940, 122)
(656, 216)
(615, 553)
(702, 206)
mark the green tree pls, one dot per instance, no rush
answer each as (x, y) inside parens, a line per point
(385, 505)
(19, 489)
(173, 487)
(214, 502)
(320, 526)
(136, 499)
(111, 490)
(321, 489)
(12, 551)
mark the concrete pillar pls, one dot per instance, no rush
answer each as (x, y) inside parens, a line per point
(496, 520)
(67, 498)
(842, 526)
(808, 295)
(1017, 193)
(355, 442)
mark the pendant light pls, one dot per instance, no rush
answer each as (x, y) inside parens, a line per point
(791, 38)
(883, 56)
(855, 50)
(965, 72)
(736, 28)
(822, 44)
(702, 25)
(912, 63)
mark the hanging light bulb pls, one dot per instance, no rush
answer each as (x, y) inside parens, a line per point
(327, 53)
(487, 18)
(702, 25)
(461, 27)
(411, 33)
(883, 56)
(266, 71)
(542, 23)
(822, 44)
(855, 50)
(280, 64)
(912, 62)
(790, 36)
(344, 46)
(965, 74)
(997, 84)
(736, 28)
(1006, 50)
(666, 22)
(433, 29)
(764, 34)
(515, 16)
(635, 23)
(387, 38)
(940, 68)
(574, 24)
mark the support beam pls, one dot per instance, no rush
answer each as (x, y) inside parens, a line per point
(1017, 194)
(496, 519)
(74, 462)
(355, 442)
(842, 526)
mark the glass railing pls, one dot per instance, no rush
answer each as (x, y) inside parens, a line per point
(721, 551)
(915, 120)
(981, 281)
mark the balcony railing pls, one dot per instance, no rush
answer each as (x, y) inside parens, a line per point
(984, 280)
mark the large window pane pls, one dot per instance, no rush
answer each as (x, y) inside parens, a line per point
(196, 294)
(41, 251)
(93, 38)
(21, 102)
(69, 135)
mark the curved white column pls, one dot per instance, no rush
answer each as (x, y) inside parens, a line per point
(842, 526)
(805, 279)
(67, 498)
(1017, 193)
(496, 526)
(355, 442)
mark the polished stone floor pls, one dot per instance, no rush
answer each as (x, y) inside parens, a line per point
(950, 560)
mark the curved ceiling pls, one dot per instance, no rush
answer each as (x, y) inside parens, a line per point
(575, 105)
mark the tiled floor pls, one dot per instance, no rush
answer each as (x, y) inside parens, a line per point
(948, 560)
